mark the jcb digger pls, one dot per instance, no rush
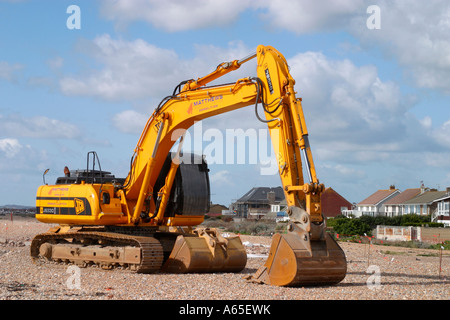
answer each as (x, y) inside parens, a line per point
(149, 221)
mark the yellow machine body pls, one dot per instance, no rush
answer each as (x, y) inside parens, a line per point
(164, 196)
(78, 204)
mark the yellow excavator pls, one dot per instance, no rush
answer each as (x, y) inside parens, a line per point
(150, 220)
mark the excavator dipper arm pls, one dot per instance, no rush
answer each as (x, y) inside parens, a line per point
(195, 102)
(306, 255)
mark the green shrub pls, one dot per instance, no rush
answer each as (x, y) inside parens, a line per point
(445, 245)
(346, 226)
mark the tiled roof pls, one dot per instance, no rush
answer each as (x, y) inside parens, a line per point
(444, 197)
(426, 197)
(330, 190)
(260, 195)
(403, 196)
(378, 196)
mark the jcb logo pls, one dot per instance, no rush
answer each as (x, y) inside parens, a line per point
(79, 206)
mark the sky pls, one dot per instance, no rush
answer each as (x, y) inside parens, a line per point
(374, 77)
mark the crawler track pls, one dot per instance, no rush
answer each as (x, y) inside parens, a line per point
(105, 249)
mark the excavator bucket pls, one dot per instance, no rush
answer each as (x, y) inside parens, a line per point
(207, 251)
(305, 256)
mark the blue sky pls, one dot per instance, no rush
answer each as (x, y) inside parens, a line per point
(376, 101)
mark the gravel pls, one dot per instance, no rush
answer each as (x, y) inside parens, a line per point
(405, 273)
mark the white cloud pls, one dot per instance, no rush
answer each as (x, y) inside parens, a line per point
(174, 15)
(360, 124)
(426, 122)
(352, 103)
(221, 178)
(436, 160)
(16, 155)
(415, 33)
(132, 70)
(10, 147)
(310, 15)
(297, 16)
(37, 127)
(55, 63)
(344, 172)
(9, 72)
(22, 166)
(349, 109)
(442, 134)
(353, 116)
(130, 121)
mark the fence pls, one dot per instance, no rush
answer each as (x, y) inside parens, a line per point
(396, 233)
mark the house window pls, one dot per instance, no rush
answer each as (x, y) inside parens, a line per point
(443, 207)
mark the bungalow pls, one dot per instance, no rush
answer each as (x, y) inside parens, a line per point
(374, 204)
(393, 207)
(424, 203)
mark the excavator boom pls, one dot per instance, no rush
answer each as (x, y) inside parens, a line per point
(168, 192)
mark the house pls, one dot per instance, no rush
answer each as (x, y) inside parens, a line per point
(374, 204)
(333, 203)
(270, 203)
(442, 212)
(216, 210)
(424, 203)
(278, 212)
(393, 207)
(257, 202)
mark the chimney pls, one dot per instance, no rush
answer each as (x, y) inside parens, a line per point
(422, 188)
(271, 197)
(448, 190)
(392, 187)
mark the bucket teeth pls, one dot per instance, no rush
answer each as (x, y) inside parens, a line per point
(260, 276)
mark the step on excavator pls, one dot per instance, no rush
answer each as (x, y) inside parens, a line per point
(150, 221)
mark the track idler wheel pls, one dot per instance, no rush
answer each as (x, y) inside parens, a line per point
(45, 250)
